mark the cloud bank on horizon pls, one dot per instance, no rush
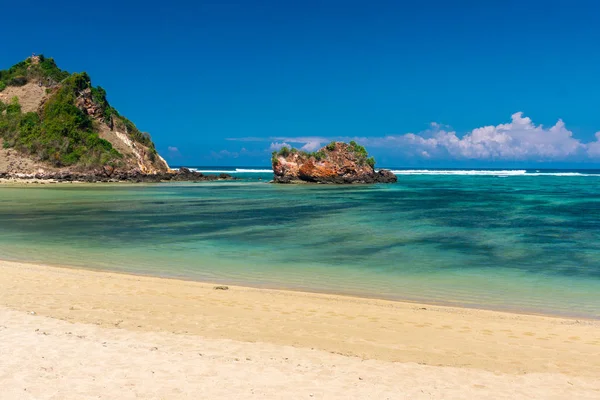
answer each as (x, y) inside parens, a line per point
(519, 140)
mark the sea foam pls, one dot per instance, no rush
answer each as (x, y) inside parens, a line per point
(472, 172)
(230, 171)
(499, 173)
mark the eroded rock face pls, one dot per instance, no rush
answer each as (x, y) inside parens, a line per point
(135, 155)
(337, 163)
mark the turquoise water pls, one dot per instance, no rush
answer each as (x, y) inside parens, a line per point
(511, 240)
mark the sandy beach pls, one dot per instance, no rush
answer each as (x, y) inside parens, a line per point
(72, 334)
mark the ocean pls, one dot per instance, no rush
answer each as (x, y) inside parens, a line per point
(515, 240)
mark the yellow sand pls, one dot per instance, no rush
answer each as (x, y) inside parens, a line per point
(462, 352)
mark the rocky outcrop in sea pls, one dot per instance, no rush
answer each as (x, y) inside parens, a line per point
(336, 163)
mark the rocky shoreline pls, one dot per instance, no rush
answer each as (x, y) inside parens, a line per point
(104, 176)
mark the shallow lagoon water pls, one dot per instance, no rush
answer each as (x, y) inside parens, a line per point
(517, 242)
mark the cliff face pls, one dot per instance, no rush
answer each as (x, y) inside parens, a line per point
(138, 155)
(52, 121)
(335, 163)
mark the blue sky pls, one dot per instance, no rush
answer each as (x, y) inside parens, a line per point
(420, 83)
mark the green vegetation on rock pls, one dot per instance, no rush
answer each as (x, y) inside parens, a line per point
(45, 71)
(62, 131)
(361, 154)
(359, 151)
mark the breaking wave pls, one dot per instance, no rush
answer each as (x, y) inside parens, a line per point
(475, 172)
(230, 171)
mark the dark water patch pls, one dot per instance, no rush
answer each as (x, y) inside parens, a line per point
(428, 226)
(359, 252)
(462, 243)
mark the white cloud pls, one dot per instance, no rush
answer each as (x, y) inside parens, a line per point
(305, 143)
(518, 140)
(247, 139)
(276, 146)
(312, 145)
(224, 154)
(173, 151)
(593, 148)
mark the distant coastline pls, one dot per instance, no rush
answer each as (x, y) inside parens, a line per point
(215, 173)
(418, 171)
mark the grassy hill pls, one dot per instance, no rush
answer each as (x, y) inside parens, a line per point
(68, 122)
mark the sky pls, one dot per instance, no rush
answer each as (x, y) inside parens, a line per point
(428, 83)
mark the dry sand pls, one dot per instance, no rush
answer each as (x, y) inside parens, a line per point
(108, 335)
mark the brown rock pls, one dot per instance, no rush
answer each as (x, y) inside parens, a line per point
(338, 162)
(108, 170)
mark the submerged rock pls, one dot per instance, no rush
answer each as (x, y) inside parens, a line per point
(338, 162)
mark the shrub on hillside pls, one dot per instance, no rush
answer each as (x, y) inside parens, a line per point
(62, 133)
(319, 155)
(18, 81)
(359, 150)
(50, 70)
(284, 151)
(46, 71)
(13, 108)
